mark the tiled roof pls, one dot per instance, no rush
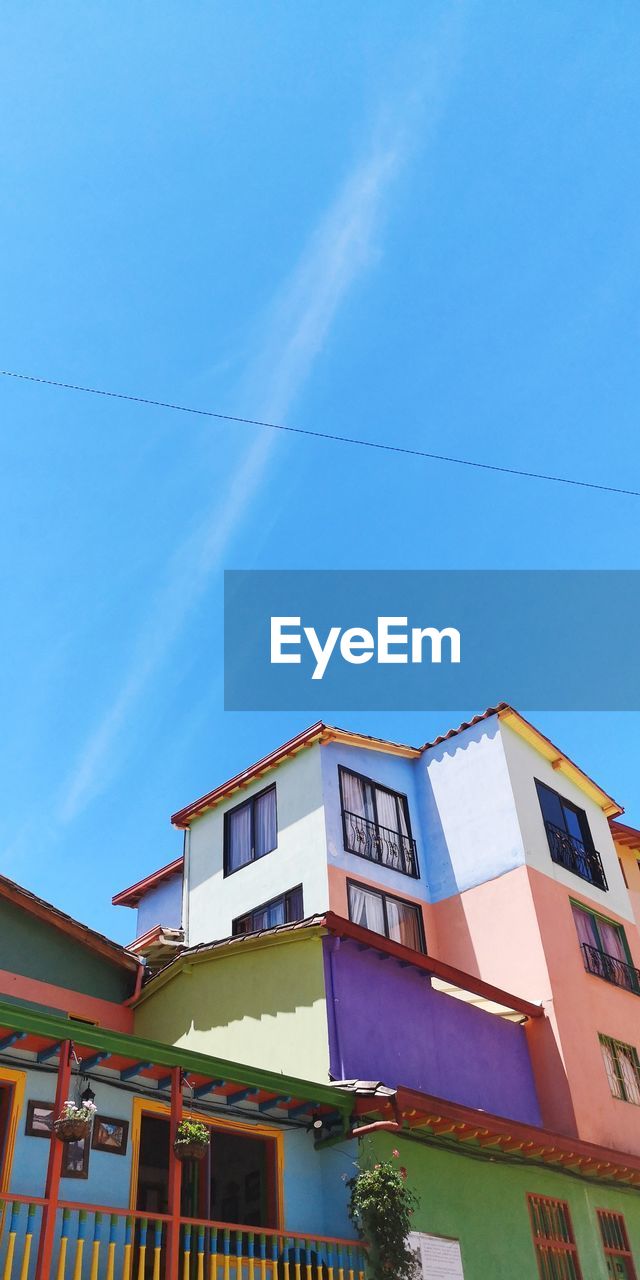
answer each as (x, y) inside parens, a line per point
(130, 897)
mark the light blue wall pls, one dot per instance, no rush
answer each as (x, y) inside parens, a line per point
(461, 807)
(161, 905)
(468, 812)
(109, 1175)
(391, 771)
(315, 1196)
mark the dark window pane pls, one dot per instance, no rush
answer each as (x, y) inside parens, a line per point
(551, 806)
(572, 822)
(295, 909)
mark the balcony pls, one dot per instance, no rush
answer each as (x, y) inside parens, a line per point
(569, 852)
(379, 844)
(611, 969)
(122, 1243)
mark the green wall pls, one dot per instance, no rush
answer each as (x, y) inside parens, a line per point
(36, 949)
(483, 1204)
(261, 1005)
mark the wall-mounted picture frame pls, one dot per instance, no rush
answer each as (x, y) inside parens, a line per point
(39, 1120)
(110, 1134)
(75, 1159)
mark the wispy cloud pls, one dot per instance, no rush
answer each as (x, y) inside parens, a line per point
(339, 251)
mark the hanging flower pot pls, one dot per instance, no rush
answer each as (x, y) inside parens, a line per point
(192, 1140)
(74, 1122)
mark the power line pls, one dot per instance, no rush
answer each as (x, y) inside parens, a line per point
(324, 435)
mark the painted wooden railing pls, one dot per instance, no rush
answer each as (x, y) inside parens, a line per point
(103, 1243)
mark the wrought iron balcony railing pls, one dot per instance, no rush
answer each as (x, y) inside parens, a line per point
(379, 844)
(611, 969)
(571, 853)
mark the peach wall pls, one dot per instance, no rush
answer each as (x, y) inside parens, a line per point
(518, 932)
(492, 931)
(585, 1005)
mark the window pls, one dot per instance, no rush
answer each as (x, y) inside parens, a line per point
(250, 830)
(282, 910)
(569, 837)
(604, 949)
(400, 921)
(553, 1239)
(623, 1069)
(615, 1242)
(375, 823)
(624, 874)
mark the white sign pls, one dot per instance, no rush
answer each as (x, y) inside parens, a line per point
(440, 1257)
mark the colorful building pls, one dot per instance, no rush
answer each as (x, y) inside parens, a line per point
(458, 920)
(119, 1203)
(366, 947)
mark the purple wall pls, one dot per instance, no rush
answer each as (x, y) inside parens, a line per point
(387, 1023)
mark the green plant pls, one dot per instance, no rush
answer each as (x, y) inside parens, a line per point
(192, 1131)
(381, 1206)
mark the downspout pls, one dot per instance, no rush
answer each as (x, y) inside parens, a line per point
(335, 1052)
(186, 849)
(137, 988)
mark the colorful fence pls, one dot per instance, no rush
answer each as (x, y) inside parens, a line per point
(101, 1243)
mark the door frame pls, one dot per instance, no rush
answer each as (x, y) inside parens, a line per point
(247, 1130)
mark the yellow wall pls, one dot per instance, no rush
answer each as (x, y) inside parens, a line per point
(264, 1006)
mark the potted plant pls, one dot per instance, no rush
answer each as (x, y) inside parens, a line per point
(381, 1207)
(74, 1121)
(192, 1140)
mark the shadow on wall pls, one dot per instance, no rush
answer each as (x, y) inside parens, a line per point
(241, 1006)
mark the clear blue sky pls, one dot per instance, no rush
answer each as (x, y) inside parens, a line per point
(416, 223)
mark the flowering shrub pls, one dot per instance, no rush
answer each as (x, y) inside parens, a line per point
(71, 1110)
(192, 1131)
(381, 1207)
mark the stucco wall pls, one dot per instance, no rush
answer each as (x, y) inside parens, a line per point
(262, 1006)
(389, 1024)
(483, 1204)
(470, 824)
(161, 905)
(36, 949)
(215, 900)
(525, 764)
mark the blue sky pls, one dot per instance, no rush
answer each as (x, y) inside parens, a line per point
(418, 224)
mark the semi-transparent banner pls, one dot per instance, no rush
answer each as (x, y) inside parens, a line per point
(564, 640)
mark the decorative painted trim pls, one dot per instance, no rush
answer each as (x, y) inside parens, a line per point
(259, 1130)
(18, 1081)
